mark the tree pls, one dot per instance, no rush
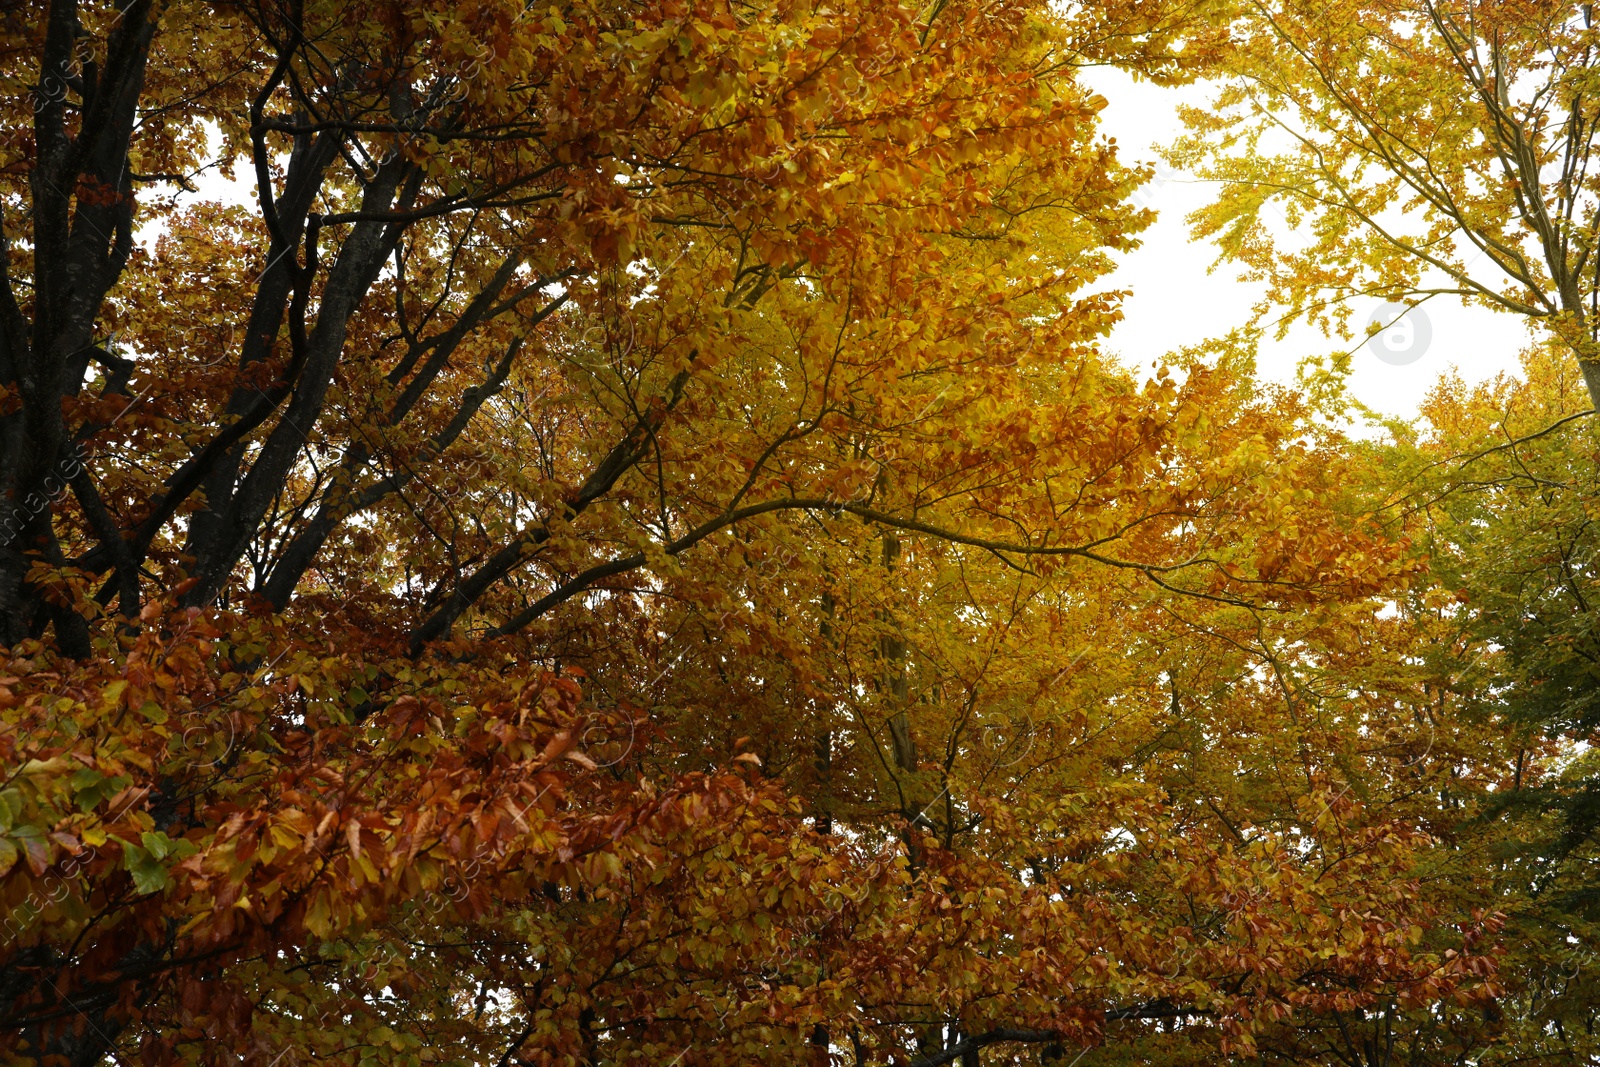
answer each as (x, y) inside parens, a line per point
(626, 548)
(1416, 149)
(1421, 150)
(1506, 470)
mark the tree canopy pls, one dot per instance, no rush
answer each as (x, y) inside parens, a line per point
(1419, 149)
(604, 533)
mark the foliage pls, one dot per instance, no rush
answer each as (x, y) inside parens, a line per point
(1507, 475)
(625, 548)
(1414, 149)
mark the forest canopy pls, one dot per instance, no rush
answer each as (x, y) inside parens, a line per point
(606, 533)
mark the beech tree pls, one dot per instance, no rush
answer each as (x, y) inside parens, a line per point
(1506, 470)
(625, 547)
(1416, 150)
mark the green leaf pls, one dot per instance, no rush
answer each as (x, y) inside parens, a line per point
(153, 711)
(8, 855)
(90, 796)
(35, 847)
(157, 843)
(90, 787)
(87, 778)
(149, 876)
(163, 847)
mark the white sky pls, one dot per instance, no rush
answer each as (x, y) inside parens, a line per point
(1176, 302)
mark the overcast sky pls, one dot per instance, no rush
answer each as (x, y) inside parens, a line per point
(1176, 302)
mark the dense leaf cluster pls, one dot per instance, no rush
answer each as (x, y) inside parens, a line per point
(603, 533)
